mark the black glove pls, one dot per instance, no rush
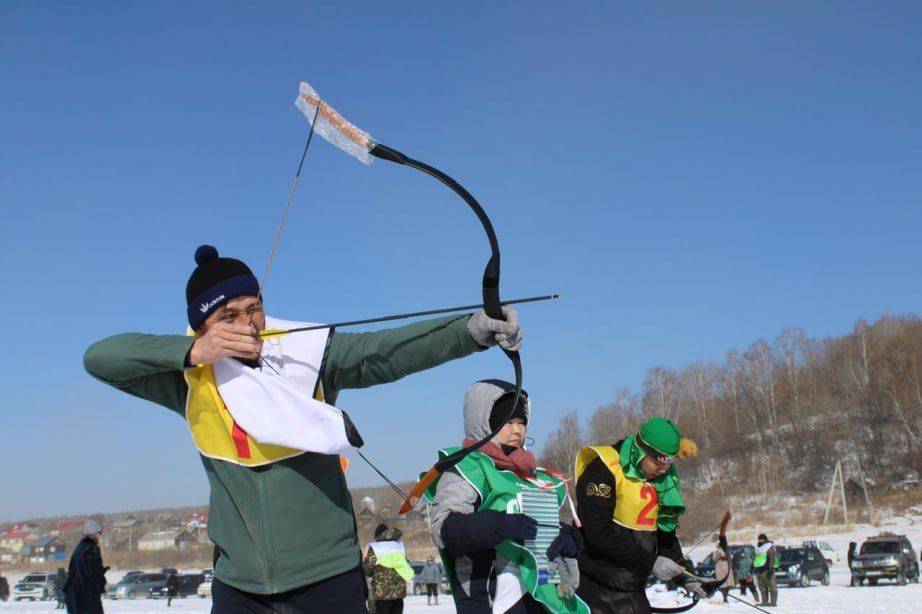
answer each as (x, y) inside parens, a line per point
(518, 527)
(568, 543)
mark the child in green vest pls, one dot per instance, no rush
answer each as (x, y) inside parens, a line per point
(496, 555)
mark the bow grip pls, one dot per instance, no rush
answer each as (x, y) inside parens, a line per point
(491, 302)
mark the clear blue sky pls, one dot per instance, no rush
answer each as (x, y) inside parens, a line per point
(690, 176)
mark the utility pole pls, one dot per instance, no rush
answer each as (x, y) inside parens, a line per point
(837, 475)
(864, 489)
(842, 491)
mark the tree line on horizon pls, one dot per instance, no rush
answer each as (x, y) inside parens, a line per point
(778, 415)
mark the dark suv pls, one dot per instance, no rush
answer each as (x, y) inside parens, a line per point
(188, 586)
(886, 556)
(799, 566)
(705, 569)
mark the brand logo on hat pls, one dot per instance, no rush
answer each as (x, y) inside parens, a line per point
(206, 307)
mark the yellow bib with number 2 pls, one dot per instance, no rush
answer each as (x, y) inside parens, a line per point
(636, 501)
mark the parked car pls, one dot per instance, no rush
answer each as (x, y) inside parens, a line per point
(111, 589)
(204, 589)
(828, 551)
(800, 566)
(140, 586)
(37, 586)
(188, 585)
(886, 556)
(705, 569)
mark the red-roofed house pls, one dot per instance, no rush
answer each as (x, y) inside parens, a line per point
(25, 526)
(13, 541)
(66, 526)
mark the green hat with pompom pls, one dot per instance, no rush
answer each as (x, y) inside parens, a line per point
(662, 435)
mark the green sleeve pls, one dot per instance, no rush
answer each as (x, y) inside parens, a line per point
(146, 366)
(360, 360)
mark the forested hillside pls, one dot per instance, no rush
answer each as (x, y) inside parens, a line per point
(774, 418)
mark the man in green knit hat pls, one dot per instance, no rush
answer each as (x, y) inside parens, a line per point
(629, 501)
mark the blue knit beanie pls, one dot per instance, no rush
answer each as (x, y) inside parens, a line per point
(214, 282)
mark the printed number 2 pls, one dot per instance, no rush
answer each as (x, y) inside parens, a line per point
(647, 492)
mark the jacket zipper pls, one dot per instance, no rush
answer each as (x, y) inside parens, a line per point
(267, 531)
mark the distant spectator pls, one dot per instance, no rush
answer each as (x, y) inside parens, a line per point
(86, 576)
(431, 576)
(59, 579)
(4, 588)
(764, 565)
(745, 576)
(172, 587)
(722, 565)
(852, 551)
(386, 560)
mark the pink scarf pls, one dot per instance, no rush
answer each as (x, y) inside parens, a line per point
(521, 461)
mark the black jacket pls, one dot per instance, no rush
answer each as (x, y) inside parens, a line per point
(172, 585)
(613, 555)
(86, 579)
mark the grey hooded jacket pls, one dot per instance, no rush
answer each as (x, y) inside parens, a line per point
(455, 494)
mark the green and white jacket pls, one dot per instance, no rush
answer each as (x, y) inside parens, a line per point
(476, 484)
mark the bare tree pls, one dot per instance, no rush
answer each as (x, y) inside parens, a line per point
(563, 443)
(775, 416)
(613, 420)
(660, 393)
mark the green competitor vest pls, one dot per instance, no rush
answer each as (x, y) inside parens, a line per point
(762, 557)
(499, 490)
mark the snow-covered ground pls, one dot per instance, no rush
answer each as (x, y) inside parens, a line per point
(837, 597)
(201, 606)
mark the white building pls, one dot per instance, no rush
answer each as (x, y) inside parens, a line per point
(171, 539)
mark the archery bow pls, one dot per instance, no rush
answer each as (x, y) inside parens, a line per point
(491, 306)
(334, 128)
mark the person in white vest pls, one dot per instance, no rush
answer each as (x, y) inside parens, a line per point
(386, 562)
(764, 563)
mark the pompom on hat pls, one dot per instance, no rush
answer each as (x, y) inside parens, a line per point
(214, 282)
(687, 448)
(662, 436)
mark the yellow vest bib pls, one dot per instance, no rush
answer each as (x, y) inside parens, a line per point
(636, 501)
(214, 431)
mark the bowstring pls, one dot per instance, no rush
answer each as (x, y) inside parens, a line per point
(291, 195)
(390, 483)
(275, 243)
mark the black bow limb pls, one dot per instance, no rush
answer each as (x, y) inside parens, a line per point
(491, 301)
